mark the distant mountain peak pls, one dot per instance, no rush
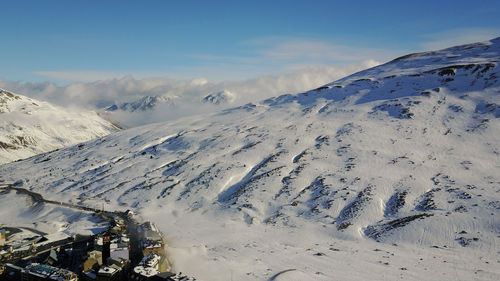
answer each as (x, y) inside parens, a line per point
(142, 104)
(221, 97)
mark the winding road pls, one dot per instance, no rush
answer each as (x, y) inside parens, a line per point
(135, 251)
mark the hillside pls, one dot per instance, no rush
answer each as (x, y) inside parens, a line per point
(29, 127)
(392, 172)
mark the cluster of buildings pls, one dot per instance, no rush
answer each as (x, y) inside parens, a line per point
(126, 251)
(154, 264)
(109, 259)
(16, 243)
(37, 272)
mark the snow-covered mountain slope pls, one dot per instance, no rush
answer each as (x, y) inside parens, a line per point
(142, 104)
(29, 127)
(393, 172)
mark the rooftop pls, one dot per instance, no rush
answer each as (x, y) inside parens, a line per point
(54, 273)
(107, 270)
(148, 265)
(145, 271)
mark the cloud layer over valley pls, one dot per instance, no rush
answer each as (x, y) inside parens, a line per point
(180, 98)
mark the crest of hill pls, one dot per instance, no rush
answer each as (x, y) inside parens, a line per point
(29, 127)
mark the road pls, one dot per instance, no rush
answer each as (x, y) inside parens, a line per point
(38, 198)
(135, 251)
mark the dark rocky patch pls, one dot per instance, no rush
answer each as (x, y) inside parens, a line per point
(464, 242)
(488, 108)
(447, 71)
(397, 108)
(377, 231)
(395, 203)
(352, 210)
(427, 202)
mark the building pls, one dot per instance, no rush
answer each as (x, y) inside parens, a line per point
(147, 268)
(153, 244)
(121, 263)
(116, 269)
(151, 239)
(36, 272)
(108, 273)
(94, 260)
(106, 247)
(120, 247)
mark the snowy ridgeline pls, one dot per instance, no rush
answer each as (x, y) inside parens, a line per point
(391, 172)
(29, 127)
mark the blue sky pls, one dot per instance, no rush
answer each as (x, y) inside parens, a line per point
(65, 41)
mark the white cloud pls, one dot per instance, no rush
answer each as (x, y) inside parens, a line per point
(306, 64)
(453, 37)
(185, 95)
(313, 51)
(285, 54)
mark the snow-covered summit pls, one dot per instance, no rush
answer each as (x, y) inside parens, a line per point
(29, 127)
(142, 104)
(404, 155)
(224, 96)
